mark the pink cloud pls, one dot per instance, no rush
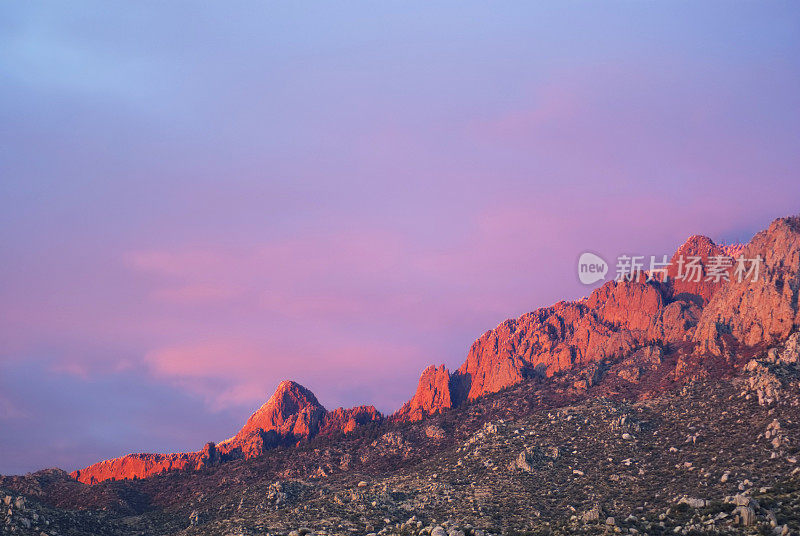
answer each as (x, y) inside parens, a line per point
(177, 263)
(318, 276)
(195, 293)
(235, 373)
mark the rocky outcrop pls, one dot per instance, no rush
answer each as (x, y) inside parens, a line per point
(209, 455)
(433, 395)
(766, 377)
(137, 466)
(615, 319)
(348, 419)
(762, 312)
(293, 413)
(638, 363)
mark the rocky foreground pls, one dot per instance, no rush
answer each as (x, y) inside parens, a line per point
(650, 407)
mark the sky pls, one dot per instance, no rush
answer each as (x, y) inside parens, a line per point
(199, 200)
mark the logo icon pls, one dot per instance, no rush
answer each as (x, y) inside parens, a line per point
(591, 268)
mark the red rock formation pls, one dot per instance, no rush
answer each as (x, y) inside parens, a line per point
(347, 420)
(614, 321)
(616, 318)
(137, 466)
(251, 444)
(209, 455)
(433, 394)
(291, 413)
(695, 246)
(292, 409)
(757, 313)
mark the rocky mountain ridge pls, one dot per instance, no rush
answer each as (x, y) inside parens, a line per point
(624, 328)
(715, 454)
(623, 317)
(291, 413)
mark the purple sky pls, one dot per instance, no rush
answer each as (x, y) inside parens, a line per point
(198, 202)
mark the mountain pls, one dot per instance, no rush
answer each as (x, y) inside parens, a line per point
(705, 455)
(291, 410)
(756, 313)
(291, 414)
(648, 407)
(623, 317)
(625, 328)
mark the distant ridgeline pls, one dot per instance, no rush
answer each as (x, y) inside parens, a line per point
(625, 329)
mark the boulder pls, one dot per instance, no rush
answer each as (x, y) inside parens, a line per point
(747, 515)
(593, 514)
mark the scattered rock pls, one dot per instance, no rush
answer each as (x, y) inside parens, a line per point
(434, 432)
(693, 502)
(522, 462)
(593, 514)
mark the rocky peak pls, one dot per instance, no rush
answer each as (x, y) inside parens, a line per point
(292, 409)
(686, 288)
(433, 394)
(293, 413)
(762, 312)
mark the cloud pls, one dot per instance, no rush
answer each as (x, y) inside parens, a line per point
(195, 294)
(231, 373)
(318, 276)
